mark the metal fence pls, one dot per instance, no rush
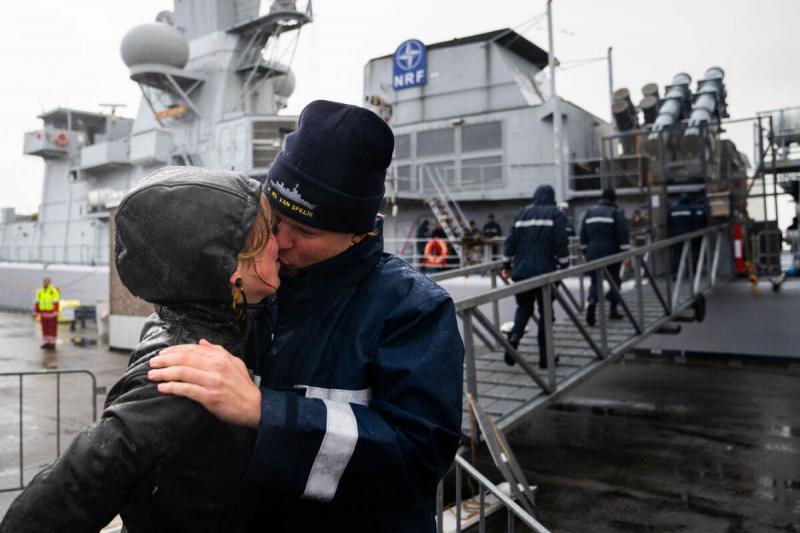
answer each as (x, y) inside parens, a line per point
(58, 412)
(467, 513)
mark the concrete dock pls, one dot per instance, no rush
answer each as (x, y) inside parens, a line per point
(663, 442)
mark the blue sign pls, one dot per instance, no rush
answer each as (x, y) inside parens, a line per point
(410, 65)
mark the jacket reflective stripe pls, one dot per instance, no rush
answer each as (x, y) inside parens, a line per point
(360, 397)
(341, 436)
(563, 260)
(597, 220)
(533, 222)
(624, 246)
(681, 214)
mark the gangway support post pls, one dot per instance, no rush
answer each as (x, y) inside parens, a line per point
(601, 309)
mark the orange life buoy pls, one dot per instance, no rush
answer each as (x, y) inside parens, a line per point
(435, 253)
(62, 139)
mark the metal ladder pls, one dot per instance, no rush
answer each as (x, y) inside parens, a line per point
(446, 210)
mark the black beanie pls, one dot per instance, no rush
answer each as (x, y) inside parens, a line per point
(331, 172)
(610, 195)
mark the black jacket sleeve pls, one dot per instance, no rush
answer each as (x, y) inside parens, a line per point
(621, 229)
(510, 245)
(86, 487)
(560, 240)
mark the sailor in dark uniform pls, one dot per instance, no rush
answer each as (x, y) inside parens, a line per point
(604, 232)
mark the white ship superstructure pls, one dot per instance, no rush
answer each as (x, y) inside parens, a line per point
(212, 87)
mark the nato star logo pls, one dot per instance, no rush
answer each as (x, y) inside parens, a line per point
(410, 55)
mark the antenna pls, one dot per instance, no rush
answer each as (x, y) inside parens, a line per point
(113, 108)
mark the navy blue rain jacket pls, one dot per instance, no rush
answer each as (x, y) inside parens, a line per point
(537, 242)
(604, 231)
(681, 216)
(361, 392)
(700, 214)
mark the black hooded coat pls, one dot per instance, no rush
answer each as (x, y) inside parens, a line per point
(162, 462)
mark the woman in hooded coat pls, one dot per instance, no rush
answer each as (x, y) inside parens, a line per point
(198, 245)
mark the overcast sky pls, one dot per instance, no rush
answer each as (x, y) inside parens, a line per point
(67, 54)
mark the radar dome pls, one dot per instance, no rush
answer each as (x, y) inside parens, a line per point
(155, 43)
(283, 85)
(283, 81)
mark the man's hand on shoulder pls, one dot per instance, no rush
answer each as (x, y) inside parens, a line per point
(209, 375)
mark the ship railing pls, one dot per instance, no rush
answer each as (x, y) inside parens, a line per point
(459, 177)
(32, 415)
(490, 498)
(413, 252)
(77, 254)
(651, 272)
(486, 250)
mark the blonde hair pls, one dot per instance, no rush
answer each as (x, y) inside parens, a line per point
(259, 235)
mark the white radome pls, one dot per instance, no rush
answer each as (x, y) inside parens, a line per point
(155, 43)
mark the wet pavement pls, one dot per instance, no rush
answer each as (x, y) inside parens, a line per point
(653, 445)
(19, 352)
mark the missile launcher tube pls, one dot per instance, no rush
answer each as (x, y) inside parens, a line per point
(709, 103)
(649, 107)
(673, 108)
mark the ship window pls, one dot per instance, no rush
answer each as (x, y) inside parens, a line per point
(402, 175)
(402, 146)
(435, 142)
(481, 171)
(486, 136)
(442, 171)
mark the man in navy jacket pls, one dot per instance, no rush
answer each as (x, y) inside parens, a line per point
(537, 244)
(681, 220)
(358, 410)
(604, 232)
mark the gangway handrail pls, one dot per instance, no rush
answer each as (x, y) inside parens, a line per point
(469, 302)
(647, 267)
(467, 271)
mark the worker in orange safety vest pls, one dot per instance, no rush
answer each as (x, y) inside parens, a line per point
(46, 306)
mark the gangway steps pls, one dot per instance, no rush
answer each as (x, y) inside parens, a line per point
(504, 390)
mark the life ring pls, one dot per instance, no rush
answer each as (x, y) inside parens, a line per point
(435, 253)
(62, 139)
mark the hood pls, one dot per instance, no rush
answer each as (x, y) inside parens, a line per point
(544, 195)
(179, 232)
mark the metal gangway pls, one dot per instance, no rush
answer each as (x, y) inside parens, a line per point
(650, 301)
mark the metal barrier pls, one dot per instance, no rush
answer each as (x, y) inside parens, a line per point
(58, 374)
(485, 487)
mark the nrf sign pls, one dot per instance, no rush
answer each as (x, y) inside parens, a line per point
(410, 65)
